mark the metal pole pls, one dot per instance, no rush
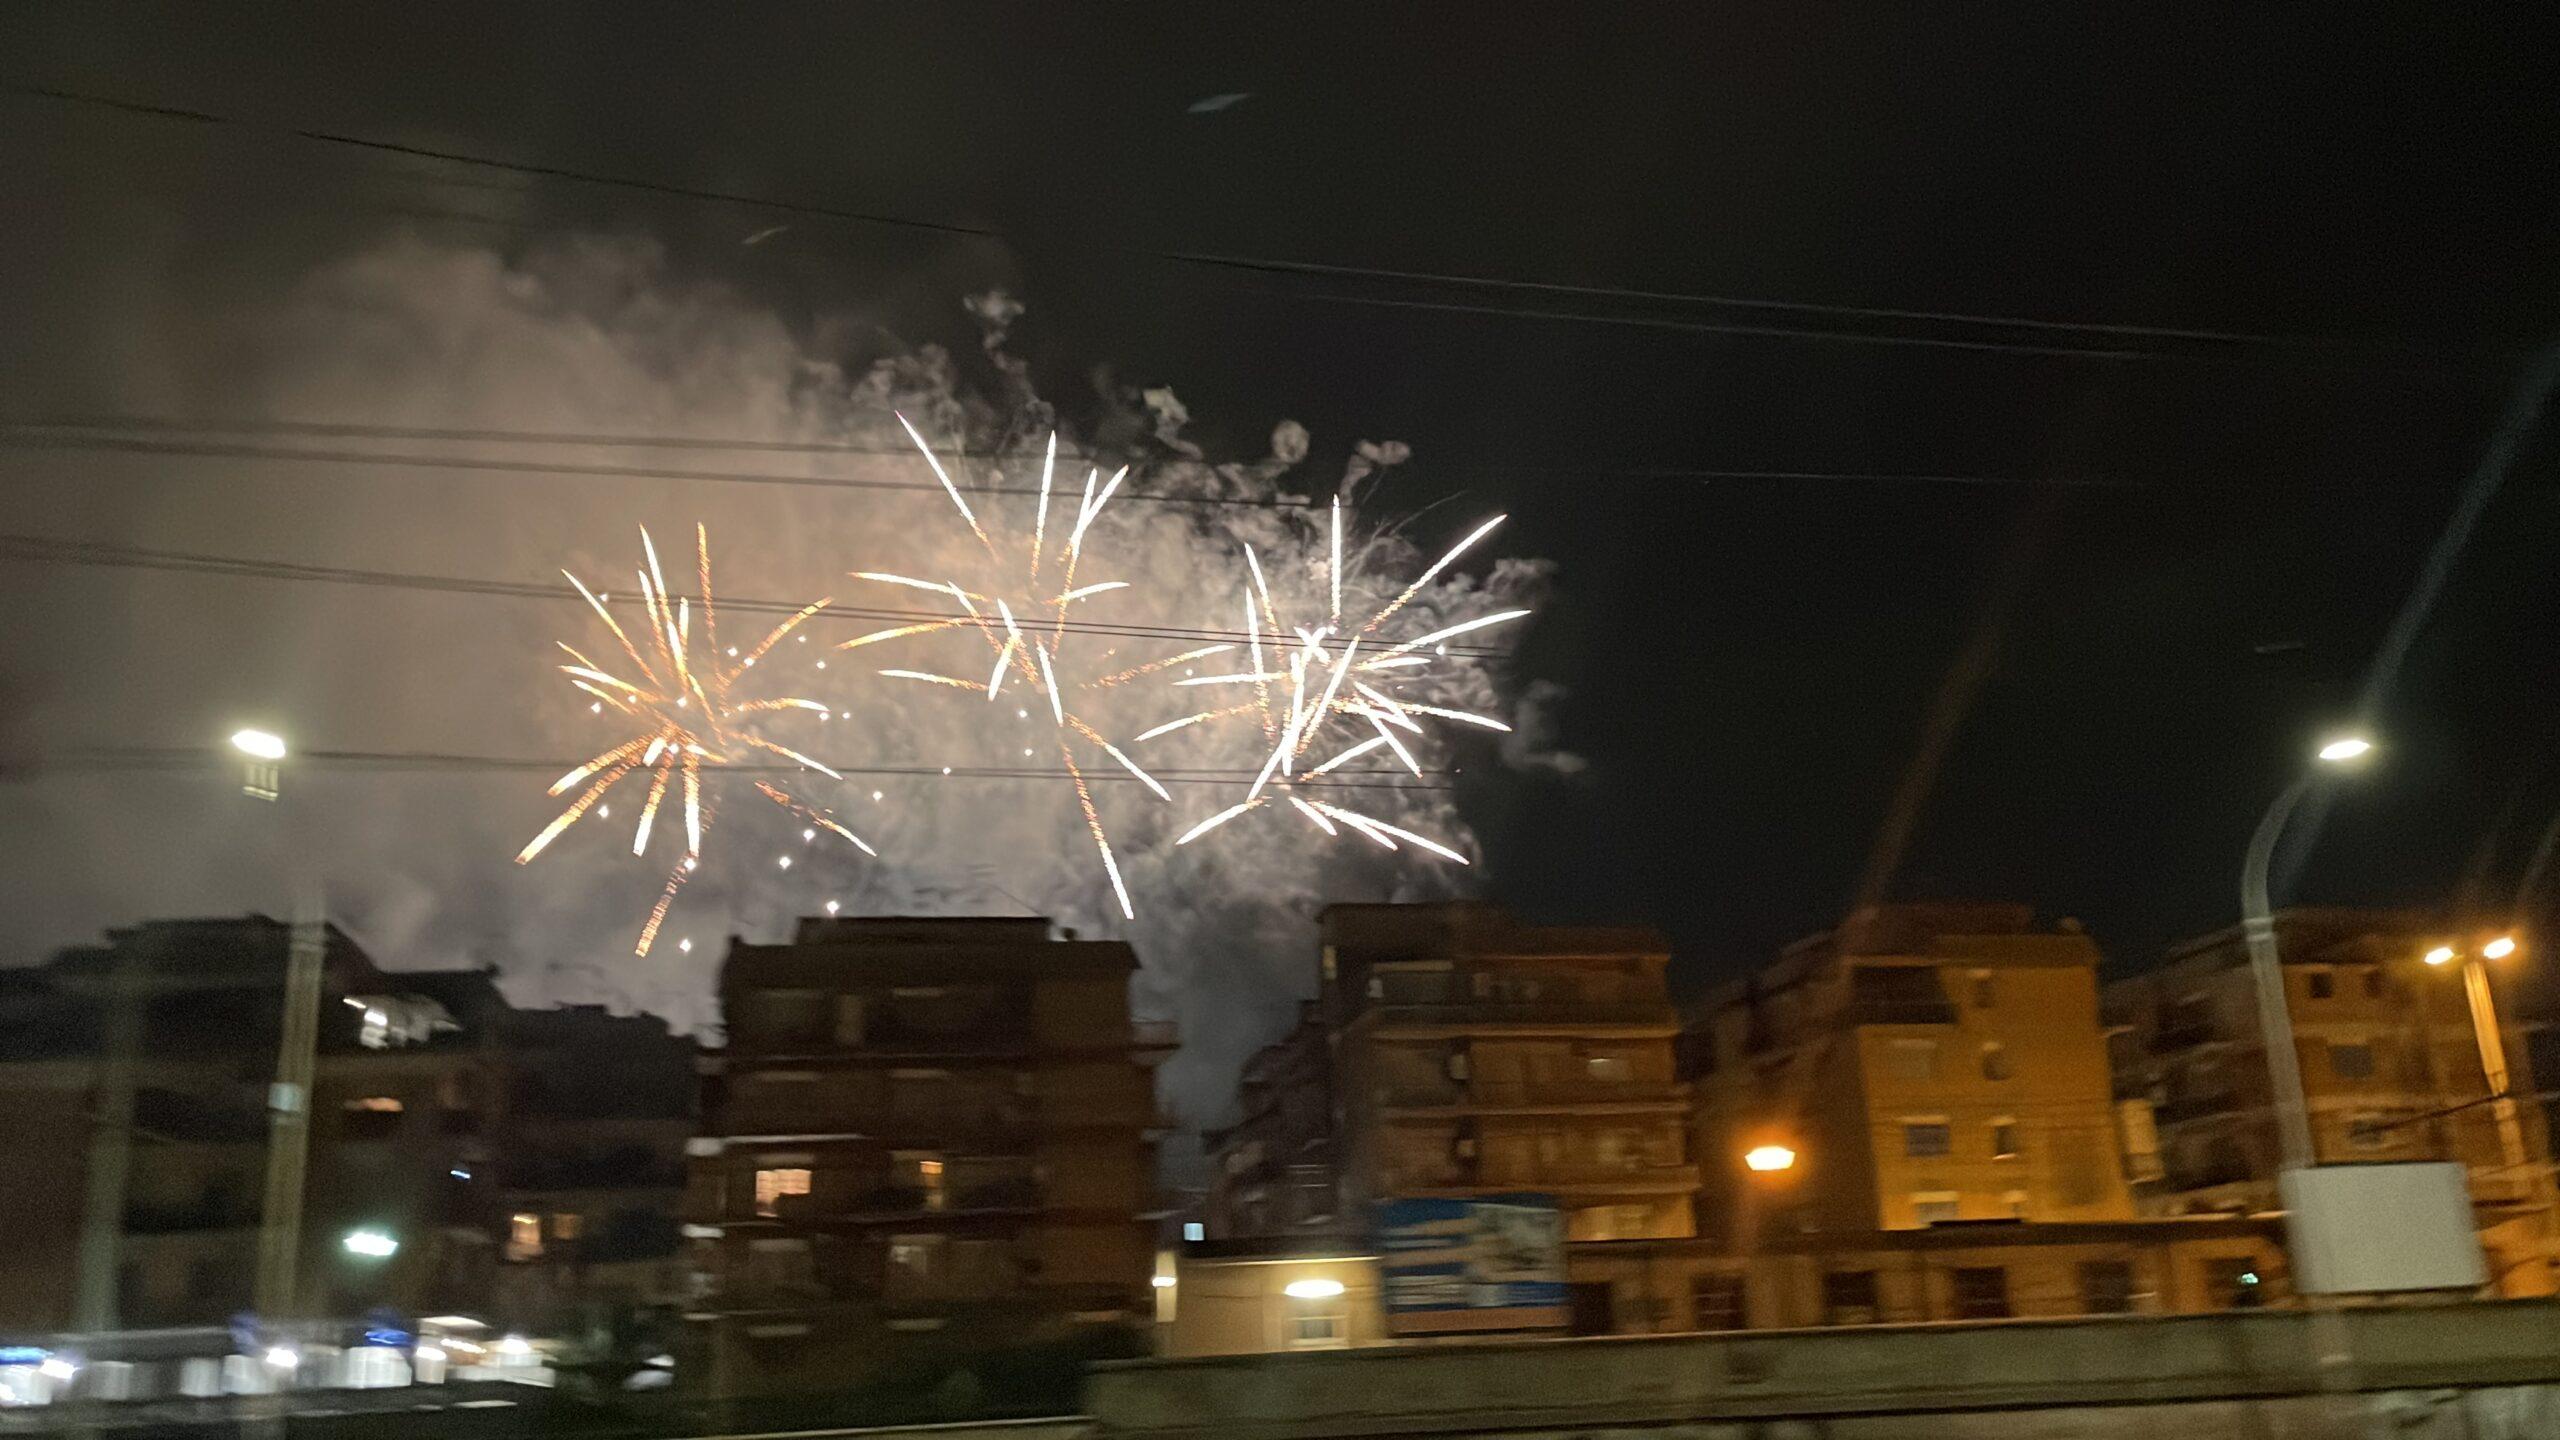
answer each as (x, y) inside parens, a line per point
(289, 1112)
(110, 1147)
(2275, 1019)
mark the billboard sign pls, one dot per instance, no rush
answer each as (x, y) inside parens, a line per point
(1491, 1263)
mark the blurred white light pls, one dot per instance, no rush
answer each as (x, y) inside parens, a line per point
(57, 1368)
(596, 709)
(2500, 948)
(259, 744)
(2346, 747)
(1312, 1289)
(685, 944)
(782, 860)
(831, 907)
(2441, 955)
(515, 1345)
(808, 834)
(371, 1243)
(1163, 1282)
(876, 794)
(429, 1352)
(946, 769)
(283, 1357)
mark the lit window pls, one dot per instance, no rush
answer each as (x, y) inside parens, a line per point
(772, 1185)
(1317, 1332)
(524, 1236)
(1935, 1207)
(1194, 1230)
(2004, 1139)
(1927, 1139)
(1611, 1068)
(385, 1104)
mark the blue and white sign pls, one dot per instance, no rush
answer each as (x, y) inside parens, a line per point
(1491, 1263)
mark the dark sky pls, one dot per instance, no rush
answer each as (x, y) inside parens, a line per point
(2202, 541)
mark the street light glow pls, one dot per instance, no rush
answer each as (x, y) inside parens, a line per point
(1769, 1157)
(283, 1357)
(2500, 948)
(370, 1243)
(258, 744)
(2346, 747)
(2441, 955)
(1312, 1289)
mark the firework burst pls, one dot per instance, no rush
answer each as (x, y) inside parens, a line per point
(679, 693)
(1022, 615)
(1336, 688)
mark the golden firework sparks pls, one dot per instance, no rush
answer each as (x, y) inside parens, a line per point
(679, 692)
(1023, 620)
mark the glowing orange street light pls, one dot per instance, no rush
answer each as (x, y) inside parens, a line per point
(1766, 1158)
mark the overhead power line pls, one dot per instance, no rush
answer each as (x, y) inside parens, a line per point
(49, 550)
(2109, 333)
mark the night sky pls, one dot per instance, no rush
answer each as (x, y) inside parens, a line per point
(2328, 247)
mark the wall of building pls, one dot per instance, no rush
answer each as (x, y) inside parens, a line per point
(1240, 1307)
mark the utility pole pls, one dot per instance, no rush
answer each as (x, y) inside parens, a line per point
(110, 1147)
(289, 1111)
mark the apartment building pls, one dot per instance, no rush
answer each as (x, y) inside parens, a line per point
(1919, 1065)
(1272, 1172)
(1478, 1056)
(2391, 1068)
(926, 1138)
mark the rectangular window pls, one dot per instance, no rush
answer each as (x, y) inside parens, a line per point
(2368, 1132)
(524, 1236)
(1927, 1139)
(1717, 1302)
(779, 1264)
(2351, 1062)
(567, 1225)
(1935, 1207)
(921, 1172)
(1317, 1332)
(370, 1117)
(1612, 1069)
(1912, 1059)
(2323, 984)
(1981, 1292)
(915, 1265)
(2004, 1139)
(2106, 1287)
(1849, 1297)
(772, 1185)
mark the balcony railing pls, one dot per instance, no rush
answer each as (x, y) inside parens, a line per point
(1901, 1012)
(1527, 1092)
(1521, 1012)
(1541, 1176)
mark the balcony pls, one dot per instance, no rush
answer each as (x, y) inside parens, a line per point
(2191, 1107)
(1586, 1178)
(2182, 1035)
(1529, 1094)
(1901, 1012)
(1470, 1013)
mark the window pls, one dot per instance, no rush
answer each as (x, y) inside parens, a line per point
(2014, 1202)
(1194, 1230)
(524, 1236)
(787, 1017)
(1982, 1292)
(782, 1264)
(2351, 1062)
(370, 1117)
(1924, 1139)
(2234, 1282)
(1935, 1207)
(2106, 1287)
(915, 1264)
(2323, 983)
(1995, 1062)
(2004, 1139)
(921, 1172)
(1612, 1069)
(567, 1225)
(1717, 1302)
(849, 1017)
(1317, 1332)
(1849, 1297)
(1912, 1059)
(2368, 1132)
(1985, 995)
(772, 1185)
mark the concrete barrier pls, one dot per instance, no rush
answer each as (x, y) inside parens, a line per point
(2488, 1371)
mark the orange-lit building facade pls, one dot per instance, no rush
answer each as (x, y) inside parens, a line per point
(924, 1137)
(2391, 1069)
(1927, 1064)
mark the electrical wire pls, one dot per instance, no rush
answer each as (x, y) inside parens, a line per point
(2108, 330)
(49, 550)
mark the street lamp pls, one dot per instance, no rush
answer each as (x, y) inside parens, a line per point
(1767, 1158)
(2258, 925)
(264, 751)
(371, 1244)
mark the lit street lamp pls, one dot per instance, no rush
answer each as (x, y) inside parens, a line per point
(1766, 1158)
(2258, 925)
(264, 751)
(371, 1244)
